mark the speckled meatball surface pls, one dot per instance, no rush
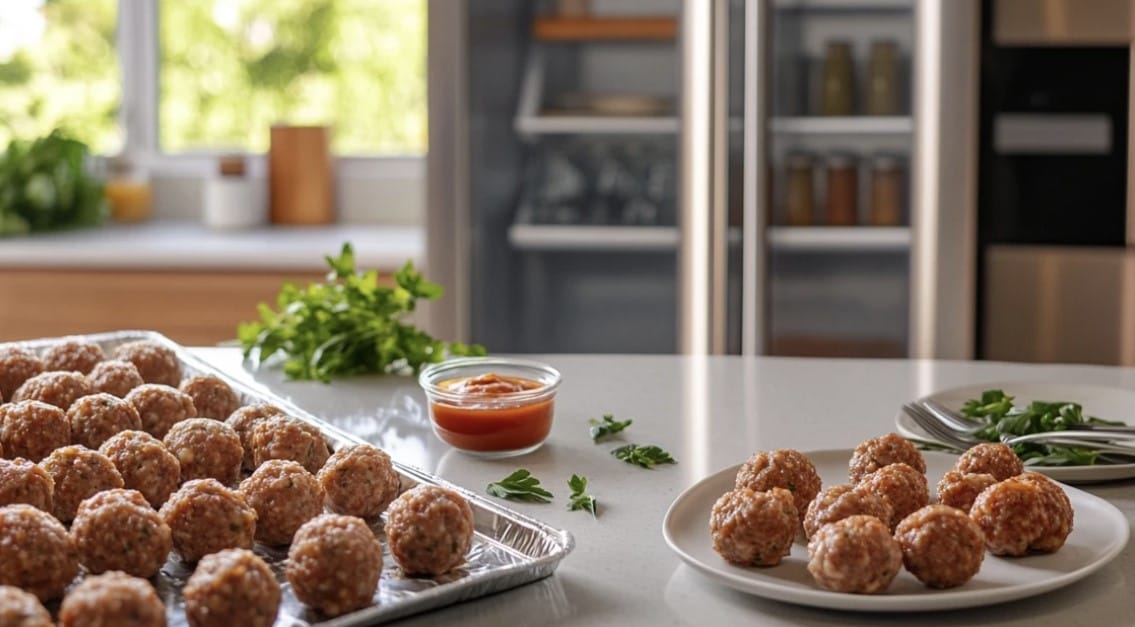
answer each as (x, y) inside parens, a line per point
(112, 599)
(78, 473)
(429, 530)
(856, 554)
(884, 450)
(244, 419)
(960, 489)
(1011, 516)
(96, 417)
(160, 407)
(1057, 510)
(902, 486)
(22, 609)
(36, 553)
(941, 546)
(334, 564)
(72, 354)
(32, 429)
(156, 363)
(212, 397)
(285, 496)
(115, 376)
(17, 364)
(54, 388)
(840, 501)
(118, 530)
(754, 528)
(782, 468)
(282, 437)
(145, 465)
(359, 480)
(232, 587)
(991, 458)
(205, 448)
(205, 517)
(22, 481)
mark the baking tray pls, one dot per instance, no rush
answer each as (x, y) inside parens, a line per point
(509, 549)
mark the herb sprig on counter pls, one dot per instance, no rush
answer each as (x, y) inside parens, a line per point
(580, 499)
(606, 427)
(348, 324)
(644, 455)
(520, 486)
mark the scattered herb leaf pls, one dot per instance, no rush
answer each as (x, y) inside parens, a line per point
(607, 427)
(520, 486)
(645, 455)
(579, 498)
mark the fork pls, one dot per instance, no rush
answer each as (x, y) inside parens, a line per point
(961, 422)
(939, 430)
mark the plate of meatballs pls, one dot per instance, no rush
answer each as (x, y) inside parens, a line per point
(886, 527)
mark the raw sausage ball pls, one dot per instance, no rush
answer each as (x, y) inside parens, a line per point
(282, 437)
(996, 459)
(21, 481)
(941, 546)
(32, 429)
(21, 609)
(17, 364)
(754, 528)
(145, 465)
(96, 417)
(160, 407)
(244, 419)
(1011, 516)
(36, 553)
(782, 468)
(112, 598)
(959, 489)
(205, 448)
(118, 530)
(54, 388)
(884, 450)
(429, 530)
(839, 502)
(78, 473)
(72, 354)
(285, 496)
(1057, 511)
(856, 554)
(232, 587)
(359, 480)
(156, 362)
(334, 564)
(902, 486)
(206, 517)
(115, 376)
(212, 397)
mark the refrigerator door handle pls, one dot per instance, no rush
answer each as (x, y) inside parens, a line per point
(755, 178)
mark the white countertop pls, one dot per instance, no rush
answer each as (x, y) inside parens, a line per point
(709, 413)
(187, 245)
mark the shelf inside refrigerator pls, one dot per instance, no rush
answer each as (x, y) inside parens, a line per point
(854, 239)
(842, 125)
(585, 237)
(857, 6)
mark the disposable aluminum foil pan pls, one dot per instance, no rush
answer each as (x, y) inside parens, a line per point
(509, 549)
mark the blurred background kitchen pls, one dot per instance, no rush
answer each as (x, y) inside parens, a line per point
(879, 178)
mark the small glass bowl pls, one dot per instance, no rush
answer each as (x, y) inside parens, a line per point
(491, 424)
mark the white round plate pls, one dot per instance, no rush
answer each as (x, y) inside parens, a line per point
(1097, 400)
(1099, 534)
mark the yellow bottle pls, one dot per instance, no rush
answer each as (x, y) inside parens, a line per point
(128, 192)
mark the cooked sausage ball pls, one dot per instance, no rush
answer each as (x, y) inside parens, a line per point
(284, 496)
(115, 376)
(205, 448)
(96, 417)
(754, 528)
(78, 473)
(282, 437)
(959, 489)
(884, 450)
(72, 354)
(782, 468)
(156, 362)
(32, 429)
(118, 530)
(334, 564)
(856, 554)
(941, 546)
(36, 553)
(206, 517)
(160, 407)
(429, 530)
(902, 486)
(112, 598)
(359, 480)
(840, 501)
(244, 419)
(1011, 516)
(21, 481)
(1057, 509)
(996, 459)
(145, 465)
(212, 397)
(232, 587)
(17, 364)
(54, 388)
(21, 609)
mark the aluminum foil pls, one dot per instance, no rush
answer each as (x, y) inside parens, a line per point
(509, 549)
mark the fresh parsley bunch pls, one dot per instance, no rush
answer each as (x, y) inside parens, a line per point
(348, 324)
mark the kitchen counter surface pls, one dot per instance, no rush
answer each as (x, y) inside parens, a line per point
(710, 413)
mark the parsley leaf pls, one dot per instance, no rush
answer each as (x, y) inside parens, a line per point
(520, 486)
(645, 455)
(579, 498)
(607, 427)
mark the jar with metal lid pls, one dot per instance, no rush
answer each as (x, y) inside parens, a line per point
(799, 197)
(843, 189)
(882, 78)
(837, 89)
(886, 190)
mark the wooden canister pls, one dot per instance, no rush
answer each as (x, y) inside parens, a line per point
(300, 180)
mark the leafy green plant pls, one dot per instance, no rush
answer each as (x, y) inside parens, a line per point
(44, 186)
(644, 455)
(520, 486)
(606, 427)
(579, 498)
